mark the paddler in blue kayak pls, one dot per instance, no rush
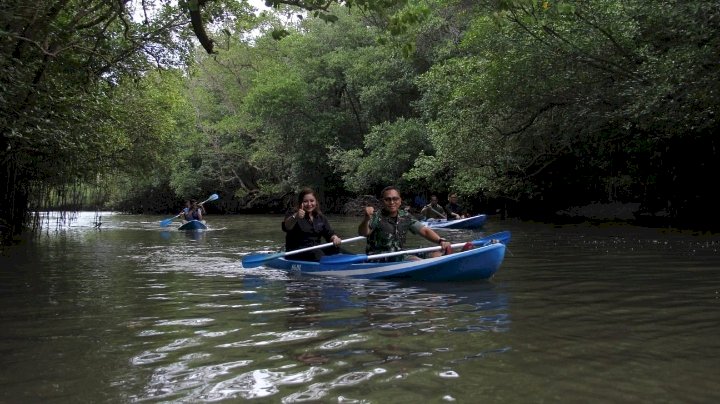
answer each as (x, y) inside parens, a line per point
(305, 225)
(386, 230)
(192, 211)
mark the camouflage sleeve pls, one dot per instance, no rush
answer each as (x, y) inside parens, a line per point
(374, 221)
(415, 226)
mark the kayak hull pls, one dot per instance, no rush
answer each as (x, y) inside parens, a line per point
(478, 263)
(472, 222)
(194, 225)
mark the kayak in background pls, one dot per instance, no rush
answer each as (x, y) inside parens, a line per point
(472, 222)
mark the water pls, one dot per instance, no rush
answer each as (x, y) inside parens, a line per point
(132, 313)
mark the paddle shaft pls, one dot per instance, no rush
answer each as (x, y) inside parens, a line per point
(444, 217)
(253, 260)
(319, 246)
(417, 250)
(166, 222)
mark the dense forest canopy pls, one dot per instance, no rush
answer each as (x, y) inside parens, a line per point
(535, 105)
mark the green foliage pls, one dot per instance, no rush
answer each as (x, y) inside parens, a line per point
(560, 101)
(523, 101)
(316, 88)
(61, 121)
(390, 150)
(579, 93)
(214, 149)
(148, 120)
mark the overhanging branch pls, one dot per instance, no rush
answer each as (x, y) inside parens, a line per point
(198, 27)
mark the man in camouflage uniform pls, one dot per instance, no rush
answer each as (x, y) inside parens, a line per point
(386, 229)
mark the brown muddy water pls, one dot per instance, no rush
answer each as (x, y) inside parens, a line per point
(131, 312)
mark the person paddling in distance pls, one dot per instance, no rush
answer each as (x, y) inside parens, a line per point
(454, 210)
(386, 230)
(192, 211)
(305, 225)
(433, 210)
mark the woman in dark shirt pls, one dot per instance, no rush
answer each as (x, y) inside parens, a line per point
(305, 226)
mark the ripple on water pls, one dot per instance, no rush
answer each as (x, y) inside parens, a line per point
(317, 391)
(342, 399)
(256, 384)
(179, 344)
(190, 322)
(281, 310)
(150, 333)
(214, 334)
(342, 342)
(449, 374)
(147, 357)
(280, 337)
(231, 306)
(623, 314)
(175, 378)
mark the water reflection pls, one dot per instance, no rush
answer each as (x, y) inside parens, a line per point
(195, 235)
(127, 314)
(310, 338)
(189, 235)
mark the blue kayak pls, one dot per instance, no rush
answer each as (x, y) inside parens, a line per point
(478, 263)
(194, 225)
(472, 222)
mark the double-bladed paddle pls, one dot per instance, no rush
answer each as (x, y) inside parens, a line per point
(346, 259)
(254, 260)
(166, 222)
(444, 217)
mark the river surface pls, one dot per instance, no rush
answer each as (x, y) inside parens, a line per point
(131, 312)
